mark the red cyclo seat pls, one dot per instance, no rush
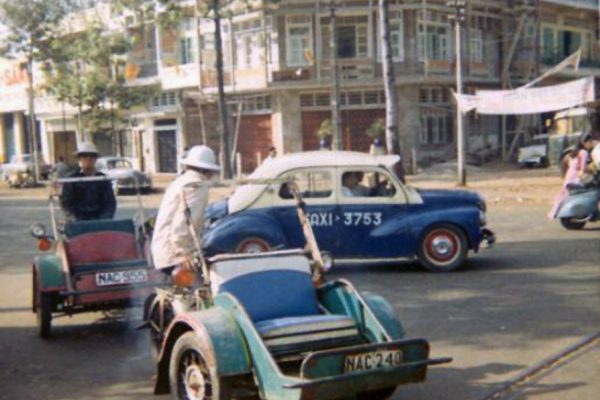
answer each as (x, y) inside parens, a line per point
(101, 247)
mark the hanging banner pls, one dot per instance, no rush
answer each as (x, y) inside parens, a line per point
(531, 100)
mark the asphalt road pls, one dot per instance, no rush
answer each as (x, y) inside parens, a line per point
(536, 292)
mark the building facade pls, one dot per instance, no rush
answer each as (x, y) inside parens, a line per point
(279, 76)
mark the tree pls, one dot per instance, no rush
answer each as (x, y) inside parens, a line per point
(168, 15)
(31, 26)
(325, 132)
(216, 10)
(391, 98)
(85, 71)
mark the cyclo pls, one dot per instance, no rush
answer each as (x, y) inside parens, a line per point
(98, 265)
(268, 324)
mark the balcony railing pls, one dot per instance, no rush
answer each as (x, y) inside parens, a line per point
(553, 59)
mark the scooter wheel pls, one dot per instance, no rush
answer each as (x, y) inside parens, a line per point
(572, 224)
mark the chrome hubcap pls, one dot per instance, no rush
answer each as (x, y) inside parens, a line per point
(253, 248)
(442, 246)
(194, 383)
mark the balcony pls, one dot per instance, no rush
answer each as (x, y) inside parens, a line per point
(141, 67)
(551, 60)
(586, 4)
(180, 76)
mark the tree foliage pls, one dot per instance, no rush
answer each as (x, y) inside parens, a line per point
(86, 70)
(325, 129)
(377, 129)
(30, 25)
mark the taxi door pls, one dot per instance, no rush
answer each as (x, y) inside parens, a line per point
(318, 192)
(370, 213)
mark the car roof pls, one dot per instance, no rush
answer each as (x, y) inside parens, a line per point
(323, 158)
(245, 195)
(111, 158)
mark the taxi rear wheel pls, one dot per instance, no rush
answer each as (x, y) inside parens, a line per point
(443, 248)
(253, 245)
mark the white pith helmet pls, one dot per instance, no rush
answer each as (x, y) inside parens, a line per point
(201, 157)
(87, 148)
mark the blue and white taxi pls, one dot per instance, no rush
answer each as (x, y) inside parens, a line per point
(359, 211)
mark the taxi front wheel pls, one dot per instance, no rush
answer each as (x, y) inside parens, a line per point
(443, 248)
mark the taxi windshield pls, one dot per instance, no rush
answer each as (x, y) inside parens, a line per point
(118, 164)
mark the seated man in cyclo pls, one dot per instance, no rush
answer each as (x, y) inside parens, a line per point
(351, 186)
(173, 243)
(87, 200)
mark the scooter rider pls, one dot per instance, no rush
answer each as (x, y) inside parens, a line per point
(172, 242)
(88, 200)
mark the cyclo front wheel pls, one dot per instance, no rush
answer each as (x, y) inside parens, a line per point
(190, 375)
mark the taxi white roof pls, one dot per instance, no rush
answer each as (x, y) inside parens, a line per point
(246, 194)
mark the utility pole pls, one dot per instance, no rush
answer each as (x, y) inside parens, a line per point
(336, 123)
(200, 97)
(224, 145)
(391, 97)
(31, 110)
(458, 16)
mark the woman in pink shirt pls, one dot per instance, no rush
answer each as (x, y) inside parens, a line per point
(578, 161)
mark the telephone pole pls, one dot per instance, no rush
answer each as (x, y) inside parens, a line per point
(458, 16)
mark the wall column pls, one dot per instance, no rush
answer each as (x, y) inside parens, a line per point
(19, 132)
(149, 146)
(409, 123)
(3, 155)
(47, 150)
(286, 122)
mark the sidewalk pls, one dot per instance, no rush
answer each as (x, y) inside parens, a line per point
(571, 374)
(498, 183)
(579, 378)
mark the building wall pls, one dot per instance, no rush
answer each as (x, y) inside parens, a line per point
(286, 122)
(254, 140)
(3, 142)
(292, 124)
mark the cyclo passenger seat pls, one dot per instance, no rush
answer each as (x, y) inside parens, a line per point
(277, 292)
(111, 242)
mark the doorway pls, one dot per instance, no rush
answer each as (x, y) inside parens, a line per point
(167, 151)
(65, 145)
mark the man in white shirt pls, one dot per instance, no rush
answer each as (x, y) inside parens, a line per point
(172, 242)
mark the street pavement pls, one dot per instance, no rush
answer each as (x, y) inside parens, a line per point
(536, 293)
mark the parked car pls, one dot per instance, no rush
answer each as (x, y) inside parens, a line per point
(384, 221)
(535, 154)
(22, 164)
(123, 175)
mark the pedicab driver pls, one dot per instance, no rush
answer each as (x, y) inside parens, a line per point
(87, 200)
(172, 242)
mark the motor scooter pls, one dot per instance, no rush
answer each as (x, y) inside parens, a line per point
(582, 204)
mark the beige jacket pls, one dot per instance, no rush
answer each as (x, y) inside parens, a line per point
(172, 239)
